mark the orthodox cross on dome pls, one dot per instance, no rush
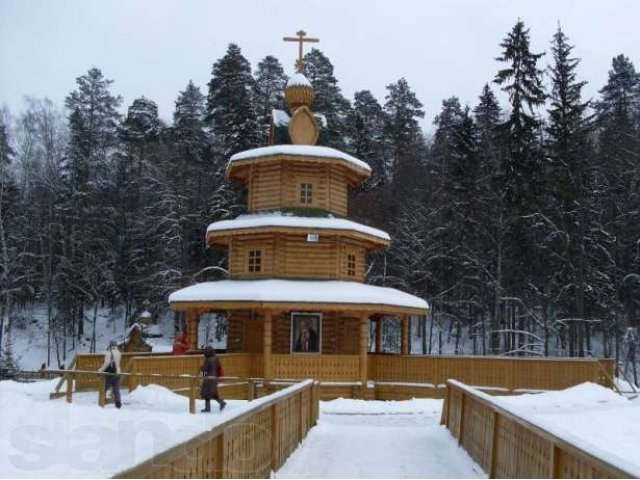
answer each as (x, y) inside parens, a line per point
(300, 39)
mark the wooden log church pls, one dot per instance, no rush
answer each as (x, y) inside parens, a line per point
(296, 294)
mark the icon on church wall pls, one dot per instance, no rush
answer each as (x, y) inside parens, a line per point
(305, 332)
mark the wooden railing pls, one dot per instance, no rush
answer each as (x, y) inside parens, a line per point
(93, 361)
(186, 385)
(339, 368)
(244, 365)
(509, 373)
(508, 446)
(250, 445)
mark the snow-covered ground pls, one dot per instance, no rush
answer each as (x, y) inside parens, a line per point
(375, 439)
(590, 416)
(45, 438)
(42, 438)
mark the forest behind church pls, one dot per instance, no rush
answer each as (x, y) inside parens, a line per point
(518, 222)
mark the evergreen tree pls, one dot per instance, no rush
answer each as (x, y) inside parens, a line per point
(134, 193)
(490, 232)
(269, 92)
(618, 182)
(522, 178)
(402, 110)
(521, 79)
(568, 141)
(93, 128)
(329, 100)
(367, 123)
(231, 108)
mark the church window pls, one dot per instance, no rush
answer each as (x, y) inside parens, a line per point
(255, 261)
(306, 193)
(351, 265)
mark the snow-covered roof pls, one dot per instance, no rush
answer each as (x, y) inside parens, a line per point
(297, 291)
(280, 219)
(299, 79)
(299, 150)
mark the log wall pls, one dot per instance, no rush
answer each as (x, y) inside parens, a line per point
(275, 186)
(292, 256)
(338, 335)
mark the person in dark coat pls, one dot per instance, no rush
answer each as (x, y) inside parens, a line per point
(210, 369)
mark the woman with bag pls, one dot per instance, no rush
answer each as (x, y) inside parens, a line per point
(211, 370)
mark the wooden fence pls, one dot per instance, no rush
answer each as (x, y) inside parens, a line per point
(504, 372)
(508, 446)
(395, 376)
(337, 368)
(250, 445)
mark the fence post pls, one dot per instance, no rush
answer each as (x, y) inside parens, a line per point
(102, 391)
(251, 393)
(69, 387)
(552, 461)
(192, 395)
(275, 448)
(461, 419)
(219, 461)
(494, 445)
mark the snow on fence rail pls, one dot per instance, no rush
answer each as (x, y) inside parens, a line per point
(508, 446)
(250, 445)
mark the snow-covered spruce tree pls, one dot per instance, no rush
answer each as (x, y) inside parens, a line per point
(523, 175)
(407, 149)
(490, 202)
(570, 213)
(618, 183)
(135, 194)
(366, 131)
(231, 107)
(458, 218)
(329, 100)
(93, 130)
(269, 92)
(369, 203)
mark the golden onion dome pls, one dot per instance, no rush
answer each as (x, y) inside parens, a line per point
(299, 92)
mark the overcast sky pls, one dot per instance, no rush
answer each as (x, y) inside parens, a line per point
(153, 47)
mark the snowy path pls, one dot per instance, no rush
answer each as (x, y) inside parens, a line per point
(354, 439)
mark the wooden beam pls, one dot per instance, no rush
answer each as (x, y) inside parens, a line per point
(193, 319)
(363, 337)
(267, 342)
(404, 341)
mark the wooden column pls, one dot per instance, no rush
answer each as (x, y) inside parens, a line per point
(364, 338)
(379, 324)
(193, 319)
(267, 340)
(404, 341)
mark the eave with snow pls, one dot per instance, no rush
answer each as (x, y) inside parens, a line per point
(221, 233)
(286, 295)
(239, 166)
